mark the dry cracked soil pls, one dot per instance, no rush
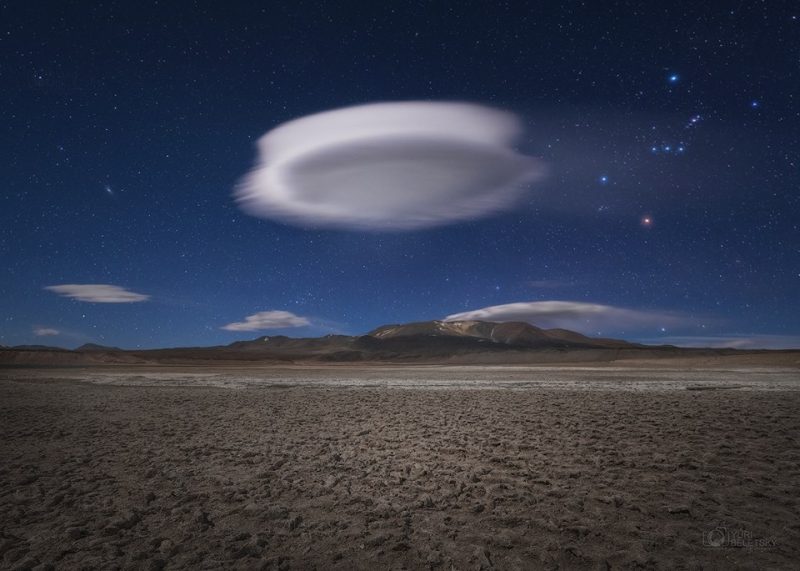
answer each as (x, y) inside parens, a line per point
(180, 477)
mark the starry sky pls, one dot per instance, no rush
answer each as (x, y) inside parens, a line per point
(670, 132)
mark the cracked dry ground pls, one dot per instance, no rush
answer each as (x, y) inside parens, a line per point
(104, 477)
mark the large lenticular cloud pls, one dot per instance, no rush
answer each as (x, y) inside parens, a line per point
(577, 315)
(395, 166)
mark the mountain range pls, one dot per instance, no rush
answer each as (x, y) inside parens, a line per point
(427, 342)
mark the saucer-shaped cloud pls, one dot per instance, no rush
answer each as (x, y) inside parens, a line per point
(98, 293)
(45, 331)
(576, 315)
(268, 320)
(388, 166)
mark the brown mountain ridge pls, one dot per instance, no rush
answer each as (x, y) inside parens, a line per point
(426, 342)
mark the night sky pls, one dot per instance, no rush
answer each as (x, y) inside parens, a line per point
(670, 133)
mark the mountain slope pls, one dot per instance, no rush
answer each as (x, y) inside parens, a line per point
(574, 337)
(94, 347)
(512, 333)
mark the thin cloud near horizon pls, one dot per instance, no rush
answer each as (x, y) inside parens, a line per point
(273, 319)
(735, 341)
(45, 331)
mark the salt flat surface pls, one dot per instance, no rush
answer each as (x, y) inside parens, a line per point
(305, 468)
(461, 377)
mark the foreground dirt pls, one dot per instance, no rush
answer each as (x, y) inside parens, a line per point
(105, 477)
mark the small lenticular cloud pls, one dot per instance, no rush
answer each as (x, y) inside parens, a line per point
(46, 331)
(268, 320)
(389, 166)
(98, 293)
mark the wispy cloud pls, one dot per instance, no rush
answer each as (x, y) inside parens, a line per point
(45, 331)
(98, 293)
(576, 315)
(755, 341)
(395, 166)
(268, 320)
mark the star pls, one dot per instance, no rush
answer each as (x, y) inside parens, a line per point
(673, 78)
(669, 149)
(603, 179)
(109, 190)
(647, 221)
(755, 104)
(693, 120)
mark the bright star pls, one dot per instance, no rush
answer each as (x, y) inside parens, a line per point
(647, 221)
(754, 104)
(674, 78)
(603, 179)
(109, 191)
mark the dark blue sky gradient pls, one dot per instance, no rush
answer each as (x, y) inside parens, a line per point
(162, 104)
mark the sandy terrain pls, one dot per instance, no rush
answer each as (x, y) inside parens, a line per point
(369, 469)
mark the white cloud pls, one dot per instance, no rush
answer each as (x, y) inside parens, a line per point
(268, 320)
(389, 166)
(729, 341)
(46, 331)
(575, 315)
(98, 293)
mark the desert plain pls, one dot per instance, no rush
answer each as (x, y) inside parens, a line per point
(413, 467)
